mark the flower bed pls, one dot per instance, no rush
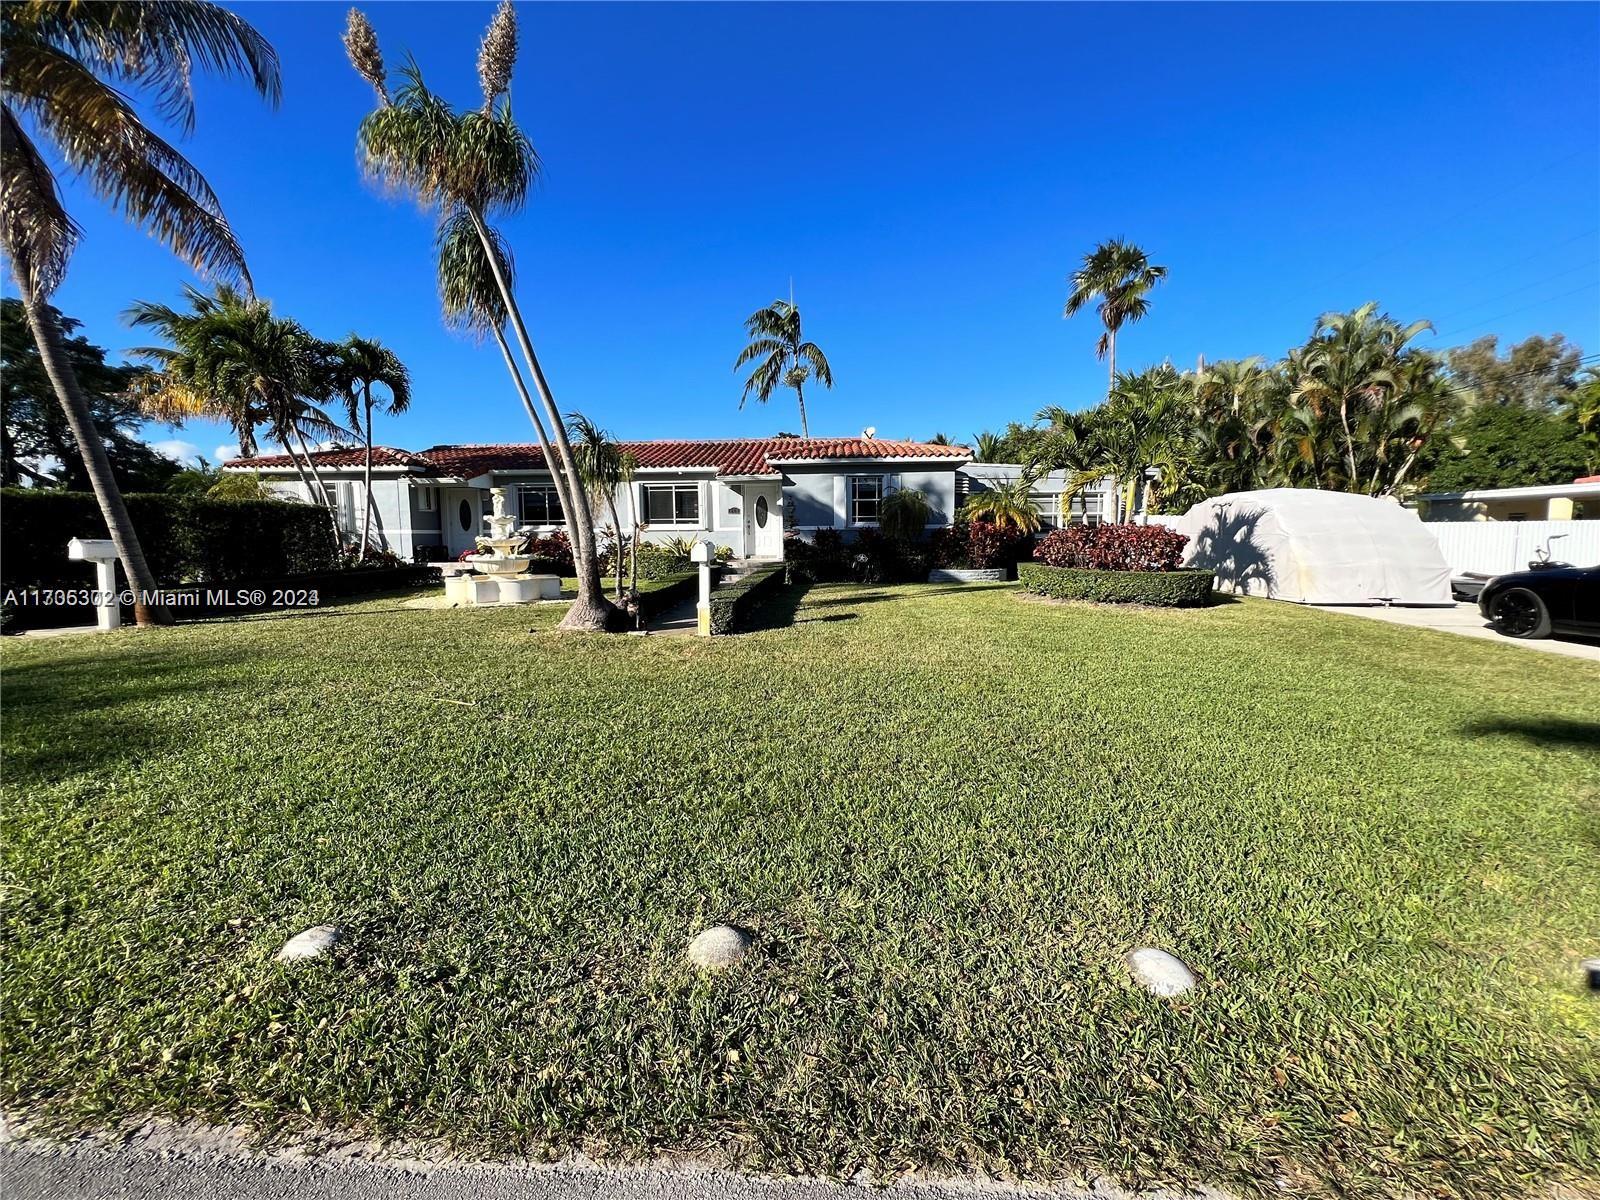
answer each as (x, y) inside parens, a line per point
(1185, 587)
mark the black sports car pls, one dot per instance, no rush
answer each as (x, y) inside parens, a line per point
(1535, 604)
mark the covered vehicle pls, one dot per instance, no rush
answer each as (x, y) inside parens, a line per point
(1316, 547)
(1537, 603)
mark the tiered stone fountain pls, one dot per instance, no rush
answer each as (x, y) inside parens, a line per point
(496, 574)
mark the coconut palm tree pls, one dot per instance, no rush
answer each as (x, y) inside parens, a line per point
(53, 89)
(357, 365)
(1009, 504)
(468, 166)
(1120, 276)
(603, 466)
(782, 356)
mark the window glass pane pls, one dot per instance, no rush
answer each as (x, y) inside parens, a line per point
(686, 504)
(864, 493)
(658, 505)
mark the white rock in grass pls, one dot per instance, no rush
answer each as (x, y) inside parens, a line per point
(313, 943)
(1160, 973)
(718, 947)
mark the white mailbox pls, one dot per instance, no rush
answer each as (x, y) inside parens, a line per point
(702, 554)
(102, 552)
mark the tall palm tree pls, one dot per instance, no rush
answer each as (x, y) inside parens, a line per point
(785, 357)
(51, 88)
(603, 466)
(1137, 429)
(358, 364)
(468, 166)
(1120, 276)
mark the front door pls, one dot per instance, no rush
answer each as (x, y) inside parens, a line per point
(763, 521)
(460, 519)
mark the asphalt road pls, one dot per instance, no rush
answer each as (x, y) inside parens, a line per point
(37, 1172)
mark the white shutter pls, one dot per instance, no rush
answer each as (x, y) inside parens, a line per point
(841, 501)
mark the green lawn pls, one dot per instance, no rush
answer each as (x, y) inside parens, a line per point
(945, 812)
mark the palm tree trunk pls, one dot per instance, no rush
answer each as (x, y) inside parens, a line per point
(366, 482)
(311, 465)
(92, 448)
(633, 540)
(800, 396)
(616, 530)
(299, 467)
(591, 610)
(1111, 355)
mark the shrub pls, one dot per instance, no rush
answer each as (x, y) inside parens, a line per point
(1113, 548)
(551, 555)
(186, 539)
(877, 558)
(732, 606)
(978, 546)
(823, 559)
(1182, 588)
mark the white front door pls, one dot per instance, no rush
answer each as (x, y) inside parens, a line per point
(763, 521)
(460, 518)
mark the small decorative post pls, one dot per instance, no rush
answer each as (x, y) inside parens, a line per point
(102, 552)
(700, 554)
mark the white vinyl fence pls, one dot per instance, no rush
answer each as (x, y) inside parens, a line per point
(1496, 547)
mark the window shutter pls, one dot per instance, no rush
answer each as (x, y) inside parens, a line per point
(841, 501)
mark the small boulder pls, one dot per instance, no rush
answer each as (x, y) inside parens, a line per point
(718, 947)
(1160, 973)
(313, 943)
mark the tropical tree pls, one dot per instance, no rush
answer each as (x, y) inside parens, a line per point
(1120, 276)
(986, 447)
(904, 513)
(231, 359)
(36, 443)
(782, 356)
(1009, 504)
(53, 89)
(1383, 399)
(358, 364)
(467, 167)
(603, 466)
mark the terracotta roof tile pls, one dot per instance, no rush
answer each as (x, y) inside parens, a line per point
(729, 456)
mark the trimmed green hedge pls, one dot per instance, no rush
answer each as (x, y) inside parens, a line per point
(1187, 588)
(731, 606)
(685, 586)
(186, 539)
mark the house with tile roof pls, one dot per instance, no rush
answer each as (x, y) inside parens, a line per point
(743, 493)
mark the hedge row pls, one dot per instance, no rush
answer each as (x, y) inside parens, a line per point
(732, 606)
(686, 586)
(1185, 588)
(186, 539)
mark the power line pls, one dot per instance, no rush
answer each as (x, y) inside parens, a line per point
(1524, 308)
(1527, 287)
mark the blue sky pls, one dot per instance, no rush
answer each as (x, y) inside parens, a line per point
(928, 176)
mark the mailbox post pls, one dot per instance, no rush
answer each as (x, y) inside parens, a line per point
(700, 554)
(102, 552)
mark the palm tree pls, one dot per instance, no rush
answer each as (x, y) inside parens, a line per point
(939, 439)
(986, 447)
(468, 166)
(1120, 276)
(1009, 504)
(357, 365)
(1349, 367)
(1136, 430)
(786, 358)
(904, 514)
(50, 77)
(603, 466)
(231, 359)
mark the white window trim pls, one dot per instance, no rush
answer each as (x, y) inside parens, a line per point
(674, 485)
(850, 499)
(524, 526)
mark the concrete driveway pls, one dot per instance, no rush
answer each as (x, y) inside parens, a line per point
(1465, 620)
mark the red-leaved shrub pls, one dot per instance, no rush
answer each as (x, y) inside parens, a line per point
(979, 545)
(1113, 548)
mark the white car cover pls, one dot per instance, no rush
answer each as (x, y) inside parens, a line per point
(1316, 547)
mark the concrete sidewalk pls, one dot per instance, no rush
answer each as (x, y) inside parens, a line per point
(35, 1171)
(1464, 619)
